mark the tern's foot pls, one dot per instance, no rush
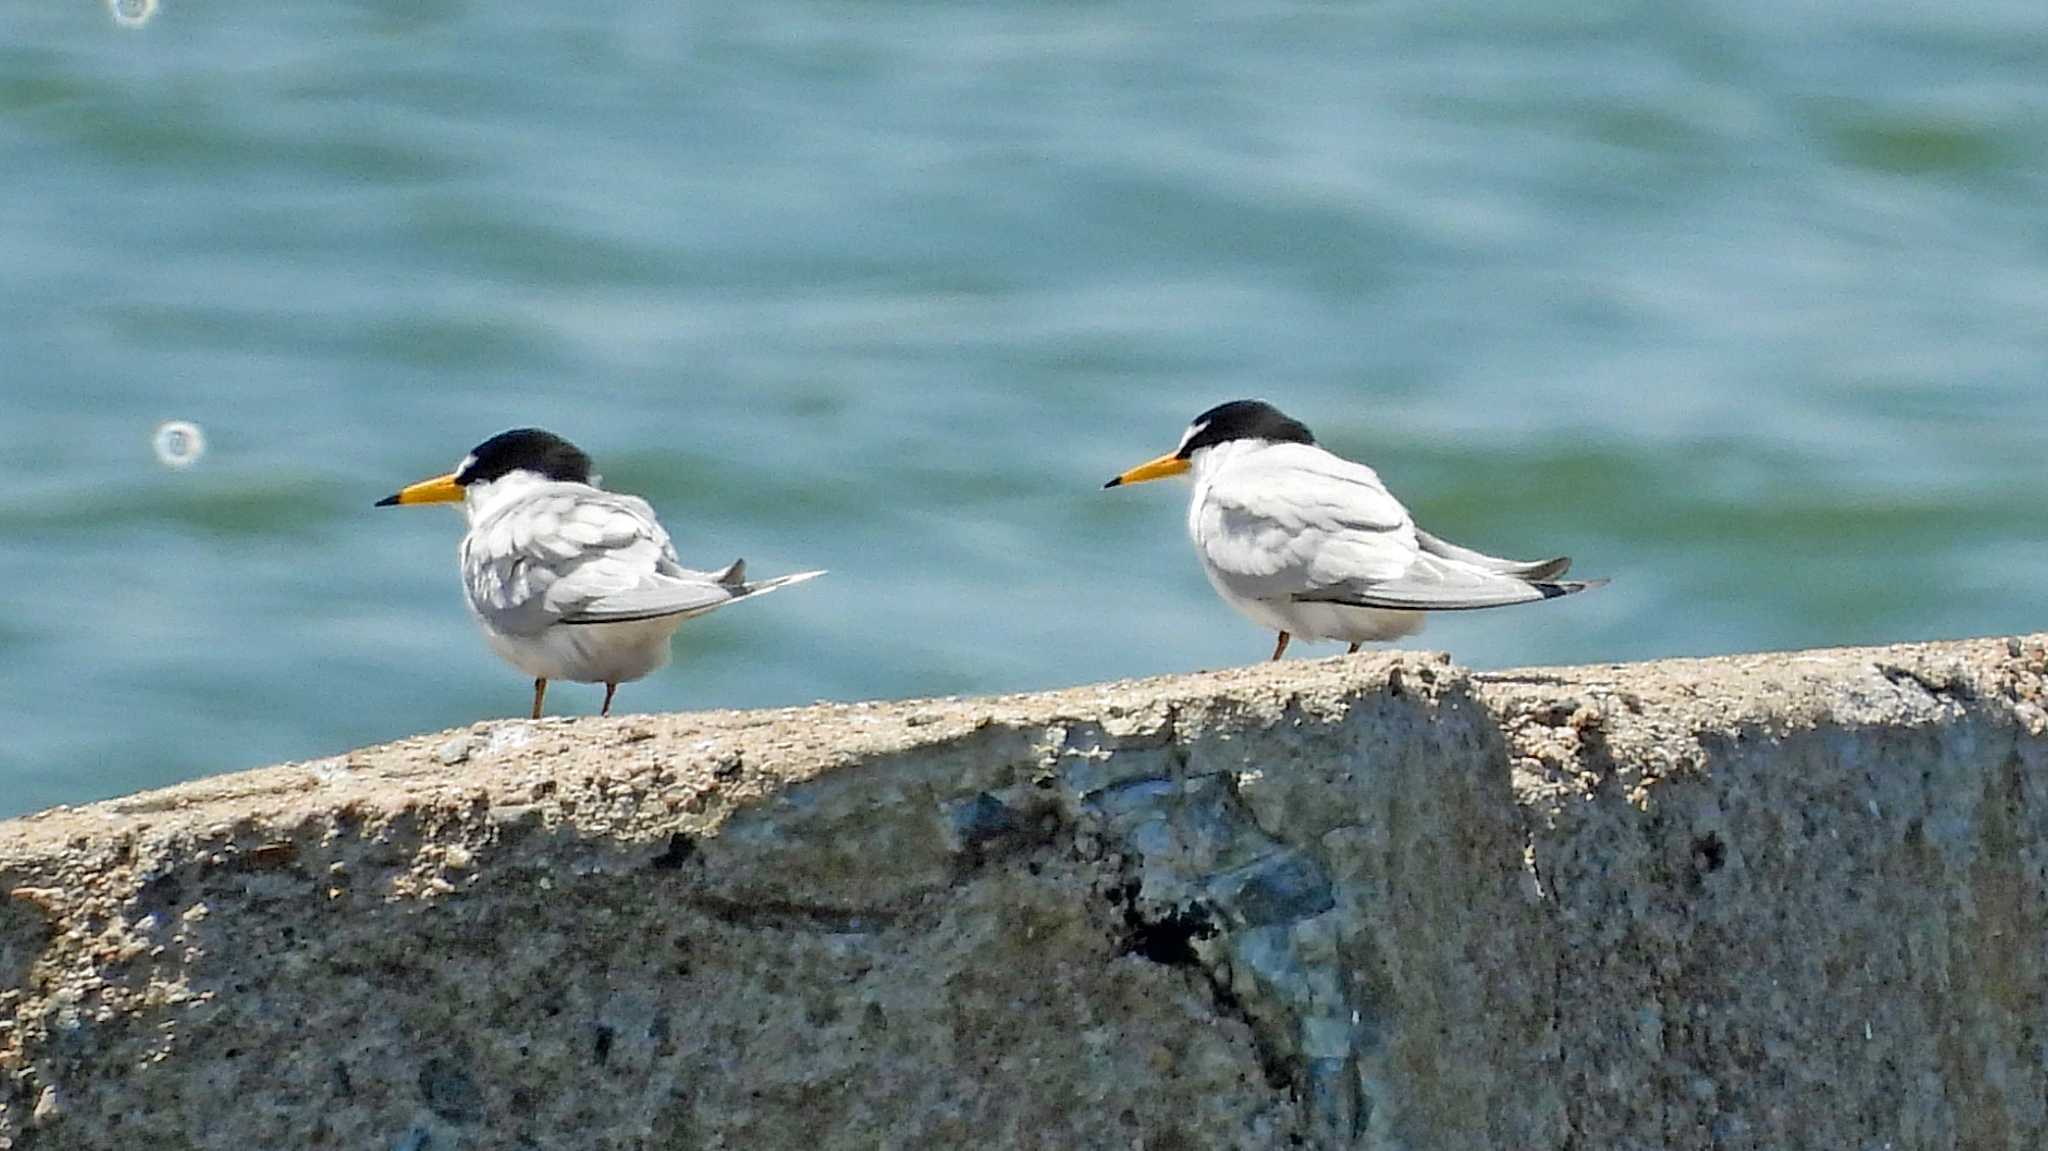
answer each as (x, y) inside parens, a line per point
(540, 691)
(1354, 649)
(609, 689)
(1280, 648)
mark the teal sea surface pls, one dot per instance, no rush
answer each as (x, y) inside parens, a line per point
(1742, 304)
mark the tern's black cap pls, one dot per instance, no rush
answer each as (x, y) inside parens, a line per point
(524, 449)
(1243, 420)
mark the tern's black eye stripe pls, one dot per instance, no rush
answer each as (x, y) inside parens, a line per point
(1244, 420)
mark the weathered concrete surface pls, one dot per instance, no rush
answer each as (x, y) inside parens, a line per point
(1772, 901)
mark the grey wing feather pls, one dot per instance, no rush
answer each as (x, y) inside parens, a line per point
(688, 597)
(1539, 570)
(654, 601)
(1434, 584)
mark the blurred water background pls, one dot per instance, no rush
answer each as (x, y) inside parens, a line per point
(1744, 304)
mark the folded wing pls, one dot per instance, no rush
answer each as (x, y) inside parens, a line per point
(1295, 518)
(669, 597)
(1298, 524)
(1537, 570)
(573, 554)
(1433, 583)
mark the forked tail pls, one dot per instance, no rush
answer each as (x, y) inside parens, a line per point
(745, 587)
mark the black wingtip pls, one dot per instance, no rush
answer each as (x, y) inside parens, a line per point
(1114, 482)
(388, 502)
(1552, 590)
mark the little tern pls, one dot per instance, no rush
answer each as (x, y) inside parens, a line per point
(570, 581)
(1312, 545)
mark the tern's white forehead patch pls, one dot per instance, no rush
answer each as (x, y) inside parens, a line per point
(1194, 429)
(462, 469)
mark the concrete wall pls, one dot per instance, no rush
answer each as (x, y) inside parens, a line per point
(1771, 901)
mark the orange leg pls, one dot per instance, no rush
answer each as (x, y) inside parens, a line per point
(540, 689)
(1281, 647)
(608, 690)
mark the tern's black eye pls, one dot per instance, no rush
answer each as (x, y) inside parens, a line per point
(1243, 420)
(524, 449)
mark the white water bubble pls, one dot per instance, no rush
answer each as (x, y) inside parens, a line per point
(178, 443)
(131, 13)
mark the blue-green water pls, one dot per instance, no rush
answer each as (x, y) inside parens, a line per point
(1743, 304)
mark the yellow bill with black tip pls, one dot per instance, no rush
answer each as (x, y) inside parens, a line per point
(439, 490)
(1159, 469)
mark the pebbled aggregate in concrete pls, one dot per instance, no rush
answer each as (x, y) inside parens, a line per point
(1377, 902)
